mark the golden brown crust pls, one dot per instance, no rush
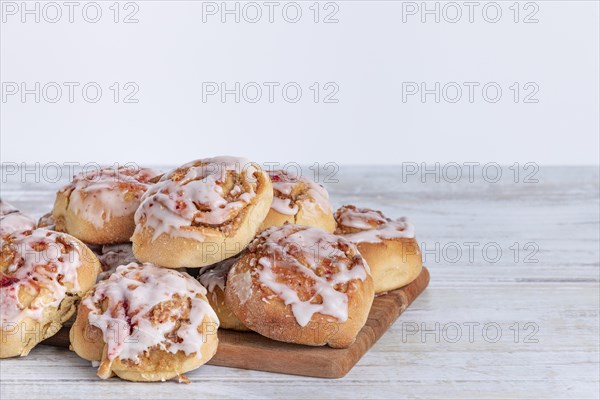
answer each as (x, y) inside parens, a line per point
(214, 279)
(253, 300)
(228, 320)
(394, 263)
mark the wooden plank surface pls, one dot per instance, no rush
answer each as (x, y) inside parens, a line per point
(249, 350)
(557, 291)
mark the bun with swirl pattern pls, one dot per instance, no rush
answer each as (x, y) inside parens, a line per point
(389, 246)
(299, 200)
(145, 323)
(43, 275)
(301, 285)
(202, 212)
(97, 207)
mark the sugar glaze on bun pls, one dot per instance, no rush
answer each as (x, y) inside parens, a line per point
(145, 323)
(43, 275)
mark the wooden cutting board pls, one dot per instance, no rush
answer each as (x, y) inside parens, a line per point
(249, 350)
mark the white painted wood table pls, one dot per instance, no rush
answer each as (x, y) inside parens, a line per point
(523, 324)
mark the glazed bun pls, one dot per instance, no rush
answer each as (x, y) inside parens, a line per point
(389, 246)
(214, 279)
(145, 323)
(98, 206)
(298, 200)
(201, 213)
(301, 285)
(12, 220)
(43, 276)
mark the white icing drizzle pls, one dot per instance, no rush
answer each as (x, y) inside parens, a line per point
(114, 255)
(11, 219)
(216, 275)
(100, 194)
(364, 225)
(195, 194)
(140, 314)
(284, 184)
(43, 264)
(326, 261)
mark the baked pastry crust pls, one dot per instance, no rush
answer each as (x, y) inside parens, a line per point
(214, 279)
(299, 200)
(43, 276)
(301, 285)
(12, 220)
(389, 246)
(98, 206)
(201, 213)
(145, 323)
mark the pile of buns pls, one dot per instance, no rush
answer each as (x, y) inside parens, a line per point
(153, 264)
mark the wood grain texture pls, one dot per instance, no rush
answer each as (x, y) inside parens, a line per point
(249, 350)
(557, 290)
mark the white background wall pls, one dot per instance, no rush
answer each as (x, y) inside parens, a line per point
(374, 47)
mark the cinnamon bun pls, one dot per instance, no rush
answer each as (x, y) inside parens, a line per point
(301, 285)
(145, 323)
(43, 275)
(98, 206)
(389, 246)
(201, 213)
(299, 200)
